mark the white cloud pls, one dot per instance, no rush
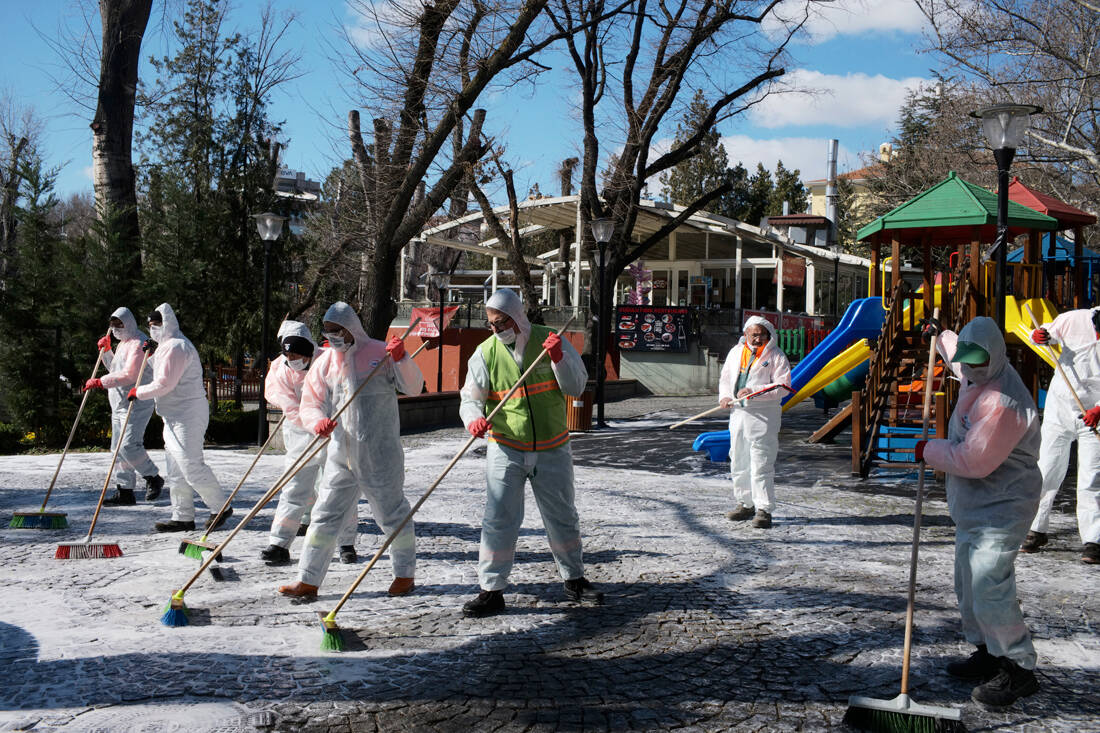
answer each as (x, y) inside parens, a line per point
(849, 18)
(88, 172)
(807, 154)
(851, 100)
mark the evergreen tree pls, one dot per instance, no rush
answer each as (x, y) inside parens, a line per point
(788, 188)
(706, 169)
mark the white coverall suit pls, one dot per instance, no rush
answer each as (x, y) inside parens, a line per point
(508, 469)
(365, 456)
(283, 389)
(1062, 423)
(181, 402)
(992, 490)
(754, 424)
(123, 365)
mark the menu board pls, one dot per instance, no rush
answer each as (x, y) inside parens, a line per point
(651, 328)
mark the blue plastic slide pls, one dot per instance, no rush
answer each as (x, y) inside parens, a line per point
(862, 320)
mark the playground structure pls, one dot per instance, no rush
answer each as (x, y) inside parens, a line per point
(875, 355)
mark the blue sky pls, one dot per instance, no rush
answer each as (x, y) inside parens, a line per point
(861, 59)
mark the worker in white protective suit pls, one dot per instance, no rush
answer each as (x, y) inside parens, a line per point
(993, 486)
(365, 457)
(283, 390)
(181, 402)
(528, 440)
(1076, 332)
(756, 363)
(123, 364)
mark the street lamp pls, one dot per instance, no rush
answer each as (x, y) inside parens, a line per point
(440, 280)
(270, 226)
(1005, 126)
(602, 230)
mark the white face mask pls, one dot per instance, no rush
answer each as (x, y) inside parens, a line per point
(118, 333)
(156, 332)
(336, 342)
(975, 374)
(507, 337)
(298, 365)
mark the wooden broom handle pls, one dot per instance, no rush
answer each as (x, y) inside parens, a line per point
(1061, 371)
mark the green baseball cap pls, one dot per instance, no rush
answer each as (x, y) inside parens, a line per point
(967, 352)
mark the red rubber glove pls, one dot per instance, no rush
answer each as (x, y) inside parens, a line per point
(396, 349)
(104, 344)
(324, 427)
(131, 395)
(93, 384)
(1092, 417)
(478, 427)
(150, 346)
(553, 345)
(1040, 336)
(919, 450)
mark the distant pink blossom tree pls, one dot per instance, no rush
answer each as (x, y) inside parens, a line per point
(643, 284)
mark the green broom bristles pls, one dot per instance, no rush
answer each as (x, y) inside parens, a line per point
(331, 639)
(175, 613)
(90, 551)
(38, 520)
(194, 549)
(869, 714)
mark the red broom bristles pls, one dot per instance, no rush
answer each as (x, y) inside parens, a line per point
(87, 552)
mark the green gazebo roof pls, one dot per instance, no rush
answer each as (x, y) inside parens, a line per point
(948, 213)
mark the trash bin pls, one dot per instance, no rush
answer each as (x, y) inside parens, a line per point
(578, 412)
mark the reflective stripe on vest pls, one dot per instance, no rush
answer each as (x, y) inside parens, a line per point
(533, 418)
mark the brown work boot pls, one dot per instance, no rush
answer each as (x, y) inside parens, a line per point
(1033, 541)
(299, 590)
(401, 586)
(762, 520)
(740, 513)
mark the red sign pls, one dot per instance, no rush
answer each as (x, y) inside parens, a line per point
(794, 272)
(429, 320)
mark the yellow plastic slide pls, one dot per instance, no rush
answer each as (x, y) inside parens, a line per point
(1019, 325)
(843, 363)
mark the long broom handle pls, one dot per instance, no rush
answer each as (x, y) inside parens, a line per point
(926, 417)
(76, 421)
(118, 446)
(713, 410)
(306, 456)
(232, 494)
(1061, 371)
(331, 617)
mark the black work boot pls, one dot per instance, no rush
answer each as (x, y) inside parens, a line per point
(153, 485)
(121, 497)
(981, 665)
(348, 554)
(762, 520)
(1033, 541)
(1090, 555)
(275, 555)
(487, 603)
(302, 529)
(742, 512)
(1010, 684)
(215, 521)
(579, 589)
(174, 525)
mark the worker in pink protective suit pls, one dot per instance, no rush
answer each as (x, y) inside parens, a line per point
(993, 486)
(755, 363)
(283, 390)
(365, 457)
(181, 402)
(123, 364)
(1076, 332)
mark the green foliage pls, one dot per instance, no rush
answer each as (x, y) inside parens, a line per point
(11, 439)
(230, 426)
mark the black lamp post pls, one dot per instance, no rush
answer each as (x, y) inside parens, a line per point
(441, 280)
(602, 230)
(270, 226)
(1005, 126)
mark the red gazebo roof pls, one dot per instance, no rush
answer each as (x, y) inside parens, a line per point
(1067, 216)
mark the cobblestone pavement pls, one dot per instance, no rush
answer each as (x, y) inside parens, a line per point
(708, 624)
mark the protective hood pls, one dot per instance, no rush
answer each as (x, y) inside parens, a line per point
(984, 332)
(343, 314)
(129, 323)
(170, 323)
(506, 301)
(759, 321)
(296, 328)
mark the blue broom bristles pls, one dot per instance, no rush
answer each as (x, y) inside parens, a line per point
(174, 616)
(38, 520)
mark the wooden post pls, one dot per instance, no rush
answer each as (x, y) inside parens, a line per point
(929, 280)
(876, 258)
(895, 264)
(976, 300)
(1033, 257)
(941, 410)
(858, 429)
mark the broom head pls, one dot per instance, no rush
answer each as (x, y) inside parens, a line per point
(87, 550)
(331, 639)
(901, 715)
(195, 548)
(175, 613)
(38, 520)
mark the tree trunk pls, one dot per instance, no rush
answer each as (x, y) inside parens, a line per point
(124, 23)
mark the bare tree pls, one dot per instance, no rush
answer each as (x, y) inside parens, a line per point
(565, 237)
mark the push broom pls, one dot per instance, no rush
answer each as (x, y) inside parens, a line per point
(175, 613)
(331, 639)
(902, 714)
(1061, 371)
(86, 549)
(713, 410)
(194, 548)
(42, 519)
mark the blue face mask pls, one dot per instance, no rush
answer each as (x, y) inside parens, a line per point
(336, 342)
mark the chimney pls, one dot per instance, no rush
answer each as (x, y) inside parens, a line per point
(830, 189)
